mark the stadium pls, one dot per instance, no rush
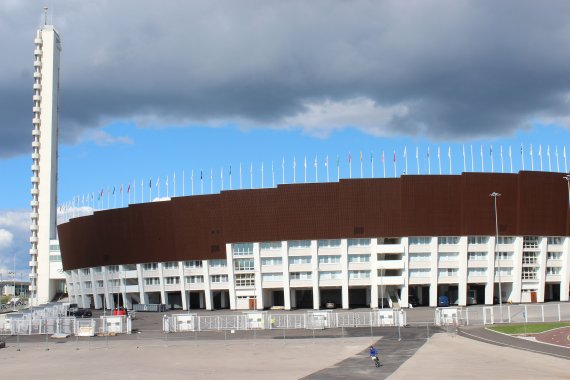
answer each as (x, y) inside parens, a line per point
(354, 243)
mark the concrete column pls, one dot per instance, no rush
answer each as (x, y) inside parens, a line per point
(286, 277)
(207, 291)
(373, 291)
(344, 273)
(109, 302)
(231, 277)
(462, 282)
(182, 285)
(258, 283)
(143, 297)
(541, 275)
(405, 287)
(202, 299)
(98, 299)
(517, 270)
(293, 295)
(434, 273)
(223, 299)
(565, 271)
(315, 275)
(163, 298)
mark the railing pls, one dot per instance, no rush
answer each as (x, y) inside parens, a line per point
(67, 326)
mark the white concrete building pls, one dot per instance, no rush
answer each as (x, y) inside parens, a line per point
(46, 275)
(348, 272)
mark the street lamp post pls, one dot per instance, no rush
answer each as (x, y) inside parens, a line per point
(495, 195)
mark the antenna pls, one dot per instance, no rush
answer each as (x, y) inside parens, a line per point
(45, 15)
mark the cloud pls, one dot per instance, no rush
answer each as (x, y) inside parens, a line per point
(102, 138)
(443, 70)
(6, 238)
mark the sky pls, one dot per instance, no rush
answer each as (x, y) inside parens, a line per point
(151, 90)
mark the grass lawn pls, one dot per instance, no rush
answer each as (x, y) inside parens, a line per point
(529, 328)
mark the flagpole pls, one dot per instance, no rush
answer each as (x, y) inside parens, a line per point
(240, 181)
(174, 183)
(294, 170)
(548, 155)
(283, 170)
(372, 163)
(230, 176)
(429, 161)
(192, 182)
(327, 166)
(337, 168)
(522, 156)
(251, 174)
(305, 168)
(557, 160)
(211, 181)
(202, 181)
(482, 160)
(464, 161)
(502, 167)
(472, 159)
(418, 158)
(316, 170)
(349, 165)
(221, 179)
(449, 156)
(262, 174)
(167, 190)
(361, 170)
(511, 158)
(395, 174)
(384, 164)
(439, 159)
(531, 159)
(272, 175)
(540, 155)
(492, 159)
(184, 183)
(406, 159)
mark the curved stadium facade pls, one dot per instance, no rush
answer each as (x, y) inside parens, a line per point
(357, 242)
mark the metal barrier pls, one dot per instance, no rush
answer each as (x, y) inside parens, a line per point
(312, 320)
(68, 326)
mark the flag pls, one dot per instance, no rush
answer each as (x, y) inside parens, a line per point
(360, 156)
(382, 156)
(113, 190)
(150, 183)
(129, 188)
(121, 188)
(394, 155)
(349, 157)
(491, 150)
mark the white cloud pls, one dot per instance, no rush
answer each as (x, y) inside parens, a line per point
(323, 117)
(102, 138)
(15, 220)
(6, 238)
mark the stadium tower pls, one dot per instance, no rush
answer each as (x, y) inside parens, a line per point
(45, 281)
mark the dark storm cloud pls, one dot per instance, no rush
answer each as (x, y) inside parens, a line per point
(459, 69)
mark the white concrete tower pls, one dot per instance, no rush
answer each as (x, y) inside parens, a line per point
(44, 163)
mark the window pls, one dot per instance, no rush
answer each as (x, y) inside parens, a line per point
(555, 240)
(193, 264)
(420, 240)
(329, 275)
(503, 271)
(98, 270)
(265, 261)
(364, 258)
(478, 240)
(272, 276)
(272, 245)
(358, 274)
(218, 263)
(359, 242)
(114, 282)
(301, 275)
(245, 279)
(152, 281)
(530, 257)
(420, 272)
(530, 242)
(219, 278)
(88, 285)
(506, 240)
(449, 256)
(476, 272)
(112, 269)
(476, 256)
(55, 258)
(300, 259)
(528, 273)
(448, 272)
(174, 280)
(553, 270)
(329, 259)
(54, 247)
(170, 265)
(242, 249)
(554, 256)
(504, 255)
(243, 264)
(420, 257)
(329, 243)
(150, 266)
(300, 244)
(85, 272)
(100, 284)
(194, 279)
(448, 240)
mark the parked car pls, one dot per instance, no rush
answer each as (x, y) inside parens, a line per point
(330, 305)
(442, 301)
(413, 301)
(80, 313)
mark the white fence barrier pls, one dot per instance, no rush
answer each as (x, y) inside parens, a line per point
(261, 320)
(67, 325)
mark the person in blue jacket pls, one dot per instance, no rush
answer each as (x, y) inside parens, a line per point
(374, 355)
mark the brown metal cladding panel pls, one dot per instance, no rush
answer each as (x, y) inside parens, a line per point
(152, 234)
(431, 205)
(542, 197)
(78, 243)
(369, 208)
(112, 228)
(478, 206)
(197, 228)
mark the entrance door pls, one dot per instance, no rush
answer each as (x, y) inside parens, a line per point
(533, 297)
(252, 304)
